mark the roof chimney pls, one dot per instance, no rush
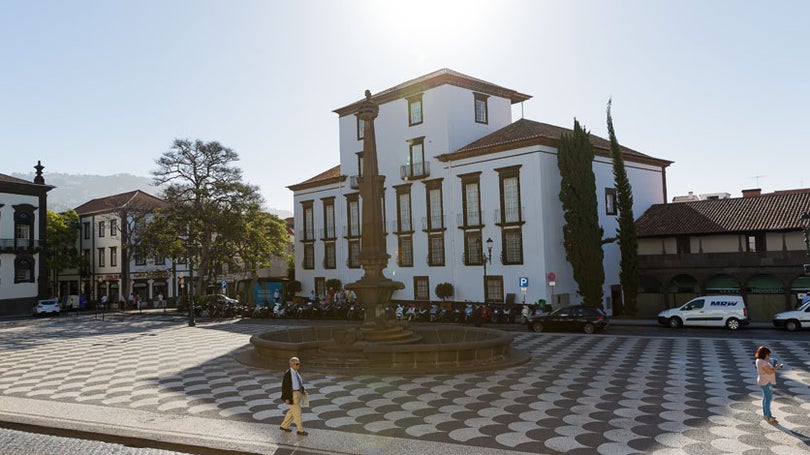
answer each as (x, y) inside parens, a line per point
(752, 192)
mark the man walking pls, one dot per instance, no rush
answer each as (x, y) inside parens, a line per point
(293, 393)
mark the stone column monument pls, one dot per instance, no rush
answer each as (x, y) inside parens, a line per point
(374, 289)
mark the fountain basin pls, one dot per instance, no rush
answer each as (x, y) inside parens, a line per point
(429, 350)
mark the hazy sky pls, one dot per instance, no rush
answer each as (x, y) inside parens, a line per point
(103, 87)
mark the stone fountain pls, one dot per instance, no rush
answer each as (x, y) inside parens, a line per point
(378, 345)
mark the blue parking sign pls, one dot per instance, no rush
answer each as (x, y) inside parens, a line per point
(523, 282)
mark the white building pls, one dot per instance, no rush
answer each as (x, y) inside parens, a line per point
(458, 173)
(23, 222)
(105, 225)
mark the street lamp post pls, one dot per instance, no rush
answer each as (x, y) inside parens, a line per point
(487, 258)
(191, 322)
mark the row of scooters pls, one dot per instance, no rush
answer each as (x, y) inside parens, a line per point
(350, 311)
(467, 313)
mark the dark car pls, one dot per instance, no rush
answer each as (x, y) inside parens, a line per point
(577, 317)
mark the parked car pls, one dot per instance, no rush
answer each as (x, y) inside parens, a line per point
(708, 311)
(576, 317)
(47, 306)
(793, 320)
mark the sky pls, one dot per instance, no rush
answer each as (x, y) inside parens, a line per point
(721, 88)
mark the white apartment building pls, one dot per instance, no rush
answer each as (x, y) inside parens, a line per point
(459, 173)
(23, 222)
(104, 223)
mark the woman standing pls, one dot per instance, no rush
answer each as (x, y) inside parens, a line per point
(766, 378)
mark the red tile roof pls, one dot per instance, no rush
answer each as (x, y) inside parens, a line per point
(523, 133)
(769, 212)
(326, 177)
(10, 179)
(435, 79)
(137, 199)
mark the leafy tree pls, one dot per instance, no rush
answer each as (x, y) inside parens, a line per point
(209, 205)
(628, 243)
(62, 236)
(251, 241)
(134, 217)
(582, 235)
(444, 290)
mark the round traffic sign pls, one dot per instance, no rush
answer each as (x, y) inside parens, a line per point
(551, 276)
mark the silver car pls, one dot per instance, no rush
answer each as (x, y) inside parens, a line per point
(47, 306)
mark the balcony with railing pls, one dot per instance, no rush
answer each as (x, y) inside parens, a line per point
(433, 223)
(415, 171)
(14, 245)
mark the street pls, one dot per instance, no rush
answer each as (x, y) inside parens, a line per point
(632, 389)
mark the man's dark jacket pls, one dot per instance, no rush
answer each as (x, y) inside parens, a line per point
(286, 387)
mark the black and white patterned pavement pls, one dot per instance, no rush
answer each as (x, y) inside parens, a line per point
(579, 394)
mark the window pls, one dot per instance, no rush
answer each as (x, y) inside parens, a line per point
(415, 110)
(513, 246)
(435, 218)
(421, 288)
(353, 218)
(140, 259)
(320, 285)
(360, 164)
(113, 228)
(610, 201)
(473, 250)
(354, 254)
(471, 199)
(23, 270)
(683, 244)
(361, 128)
(329, 218)
(509, 182)
(309, 220)
(415, 167)
(755, 243)
(329, 255)
(101, 229)
(436, 249)
(405, 249)
(101, 257)
(23, 226)
(494, 288)
(86, 226)
(160, 260)
(113, 256)
(404, 209)
(309, 256)
(481, 112)
(22, 235)
(511, 217)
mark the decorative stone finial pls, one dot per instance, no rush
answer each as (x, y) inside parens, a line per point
(39, 180)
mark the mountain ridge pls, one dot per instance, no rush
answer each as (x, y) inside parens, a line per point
(73, 190)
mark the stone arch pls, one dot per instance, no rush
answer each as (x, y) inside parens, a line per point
(681, 288)
(722, 284)
(765, 296)
(651, 298)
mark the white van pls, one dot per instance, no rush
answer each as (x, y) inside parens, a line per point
(793, 320)
(708, 311)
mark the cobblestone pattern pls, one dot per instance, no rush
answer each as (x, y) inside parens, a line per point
(579, 394)
(23, 443)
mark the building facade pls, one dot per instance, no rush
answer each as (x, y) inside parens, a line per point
(23, 228)
(471, 198)
(752, 246)
(108, 244)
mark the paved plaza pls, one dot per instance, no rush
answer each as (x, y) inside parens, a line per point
(156, 379)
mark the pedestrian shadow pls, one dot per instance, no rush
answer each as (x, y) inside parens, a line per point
(795, 434)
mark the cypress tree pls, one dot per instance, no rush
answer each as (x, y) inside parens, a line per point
(582, 235)
(628, 243)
